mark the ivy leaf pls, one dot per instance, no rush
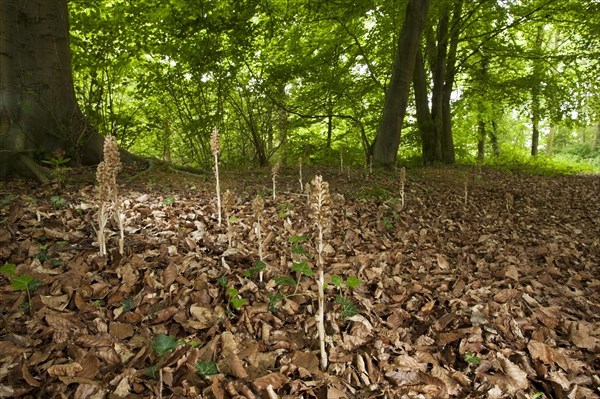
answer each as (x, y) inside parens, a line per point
(8, 269)
(303, 268)
(297, 239)
(285, 280)
(163, 343)
(204, 368)
(25, 283)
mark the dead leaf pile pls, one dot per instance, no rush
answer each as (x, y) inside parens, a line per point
(483, 285)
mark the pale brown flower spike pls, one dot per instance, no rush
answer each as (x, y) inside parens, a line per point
(106, 174)
(321, 214)
(215, 147)
(258, 206)
(402, 183)
(274, 174)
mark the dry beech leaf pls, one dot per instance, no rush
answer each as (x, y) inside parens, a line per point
(512, 272)
(65, 370)
(276, 380)
(169, 275)
(540, 351)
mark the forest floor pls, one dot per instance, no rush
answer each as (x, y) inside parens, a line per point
(483, 285)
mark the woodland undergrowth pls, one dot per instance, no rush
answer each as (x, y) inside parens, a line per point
(425, 283)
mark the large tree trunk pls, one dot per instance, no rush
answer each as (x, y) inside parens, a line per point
(441, 56)
(38, 110)
(385, 147)
(430, 143)
(446, 138)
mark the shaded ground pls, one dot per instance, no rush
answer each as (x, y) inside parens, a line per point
(482, 285)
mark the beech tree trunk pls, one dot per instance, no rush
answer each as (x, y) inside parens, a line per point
(535, 94)
(38, 110)
(385, 147)
(430, 142)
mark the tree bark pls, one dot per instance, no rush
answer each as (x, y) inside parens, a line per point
(481, 133)
(535, 94)
(446, 138)
(385, 147)
(38, 110)
(494, 139)
(430, 143)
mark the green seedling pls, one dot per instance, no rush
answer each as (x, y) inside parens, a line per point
(387, 223)
(9, 269)
(169, 200)
(348, 309)
(274, 299)
(206, 367)
(472, 358)
(128, 305)
(58, 163)
(259, 265)
(223, 281)
(24, 283)
(284, 210)
(164, 343)
(58, 202)
(537, 395)
(234, 299)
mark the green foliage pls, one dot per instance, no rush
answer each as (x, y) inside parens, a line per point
(58, 202)
(302, 268)
(164, 343)
(472, 358)
(8, 269)
(347, 307)
(128, 305)
(259, 265)
(169, 200)
(206, 367)
(234, 298)
(285, 280)
(274, 299)
(25, 282)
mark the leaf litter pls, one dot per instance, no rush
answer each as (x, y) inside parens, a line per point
(483, 284)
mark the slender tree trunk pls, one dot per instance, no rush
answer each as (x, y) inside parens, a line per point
(550, 139)
(430, 143)
(596, 137)
(494, 139)
(481, 133)
(447, 139)
(38, 109)
(535, 94)
(385, 147)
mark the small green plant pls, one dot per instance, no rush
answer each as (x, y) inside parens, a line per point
(537, 395)
(206, 367)
(58, 162)
(164, 343)
(284, 210)
(472, 358)
(234, 299)
(348, 309)
(169, 200)
(58, 202)
(128, 305)
(23, 282)
(387, 223)
(223, 281)
(259, 266)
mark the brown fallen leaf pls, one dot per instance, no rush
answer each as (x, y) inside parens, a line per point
(65, 370)
(276, 380)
